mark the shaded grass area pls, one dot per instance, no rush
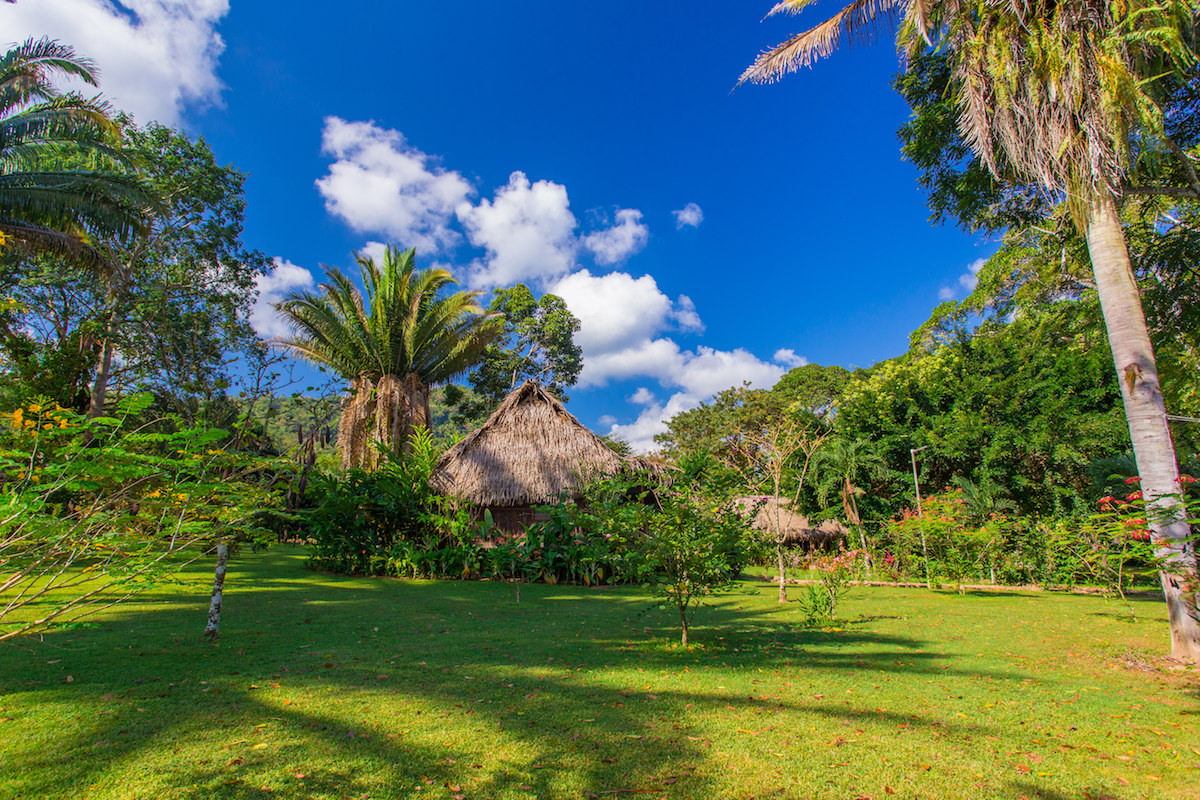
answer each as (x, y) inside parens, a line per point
(334, 687)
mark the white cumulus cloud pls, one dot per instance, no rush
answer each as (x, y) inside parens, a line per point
(379, 183)
(156, 57)
(626, 237)
(690, 215)
(614, 310)
(374, 251)
(697, 375)
(657, 358)
(685, 315)
(527, 231)
(968, 280)
(283, 279)
(789, 358)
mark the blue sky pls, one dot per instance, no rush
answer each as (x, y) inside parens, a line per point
(704, 236)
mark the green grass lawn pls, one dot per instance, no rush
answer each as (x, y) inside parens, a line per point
(334, 687)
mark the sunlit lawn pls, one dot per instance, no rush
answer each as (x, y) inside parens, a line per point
(332, 687)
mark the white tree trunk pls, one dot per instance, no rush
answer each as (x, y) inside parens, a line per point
(1137, 376)
(213, 628)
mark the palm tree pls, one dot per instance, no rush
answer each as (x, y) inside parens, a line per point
(49, 201)
(1061, 95)
(392, 345)
(839, 466)
(983, 498)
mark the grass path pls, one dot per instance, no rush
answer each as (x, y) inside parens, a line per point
(331, 687)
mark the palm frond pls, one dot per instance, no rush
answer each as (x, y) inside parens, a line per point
(861, 19)
(790, 7)
(47, 240)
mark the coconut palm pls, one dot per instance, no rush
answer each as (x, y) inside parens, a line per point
(392, 345)
(58, 155)
(839, 467)
(1062, 96)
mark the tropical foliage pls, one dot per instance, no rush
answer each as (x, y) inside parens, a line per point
(58, 187)
(1064, 99)
(97, 510)
(391, 345)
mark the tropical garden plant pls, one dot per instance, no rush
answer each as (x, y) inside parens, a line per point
(836, 574)
(839, 467)
(693, 549)
(392, 344)
(63, 177)
(1063, 97)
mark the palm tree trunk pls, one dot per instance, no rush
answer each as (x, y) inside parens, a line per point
(1137, 376)
(416, 412)
(358, 414)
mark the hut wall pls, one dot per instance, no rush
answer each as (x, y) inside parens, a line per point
(515, 519)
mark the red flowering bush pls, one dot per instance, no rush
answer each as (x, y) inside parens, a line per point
(944, 541)
(1122, 548)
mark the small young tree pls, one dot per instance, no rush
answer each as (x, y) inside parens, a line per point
(693, 550)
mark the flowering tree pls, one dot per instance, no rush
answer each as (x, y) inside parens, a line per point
(836, 574)
(96, 510)
(958, 544)
(1122, 543)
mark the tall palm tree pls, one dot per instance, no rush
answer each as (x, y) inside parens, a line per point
(391, 344)
(63, 178)
(1062, 95)
(839, 467)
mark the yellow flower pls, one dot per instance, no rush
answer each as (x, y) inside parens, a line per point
(34, 408)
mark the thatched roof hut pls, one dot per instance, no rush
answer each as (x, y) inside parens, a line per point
(529, 451)
(775, 516)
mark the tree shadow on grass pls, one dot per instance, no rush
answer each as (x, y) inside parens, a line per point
(520, 690)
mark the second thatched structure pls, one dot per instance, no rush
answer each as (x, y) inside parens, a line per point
(774, 517)
(529, 452)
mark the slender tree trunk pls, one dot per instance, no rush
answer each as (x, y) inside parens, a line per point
(104, 367)
(1137, 376)
(778, 476)
(782, 572)
(213, 629)
(683, 624)
(862, 536)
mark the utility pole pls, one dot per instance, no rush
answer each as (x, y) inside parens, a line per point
(920, 512)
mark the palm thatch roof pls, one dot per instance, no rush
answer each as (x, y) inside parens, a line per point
(775, 517)
(527, 452)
